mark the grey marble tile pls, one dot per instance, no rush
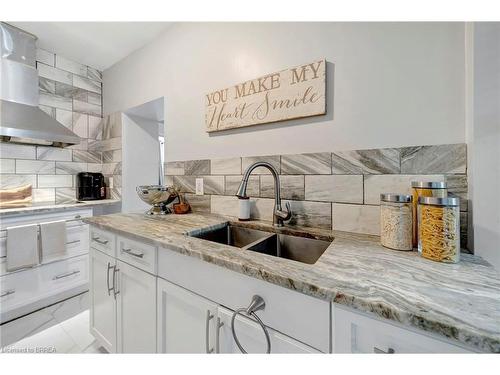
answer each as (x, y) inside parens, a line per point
(44, 195)
(378, 184)
(311, 214)
(51, 111)
(94, 167)
(7, 166)
(112, 156)
(115, 193)
(88, 156)
(334, 188)
(46, 85)
(314, 163)
(55, 101)
(87, 108)
(356, 218)
(95, 127)
(109, 169)
(83, 145)
(291, 187)
(54, 181)
(35, 167)
(185, 184)
(233, 183)
(260, 208)
(458, 185)
(53, 153)
(450, 158)
(112, 126)
(87, 84)
(70, 167)
(16, 151)
(105, 144)
(55, 74)
(228, 166)
(213, 185)
(80, 125)
(199, 203)
(94, 98)
(169, 180)
(174, 168)
(9, 181)
(274, 160)
(197, 167)
(65, 195)
(94, 74)
(224, 205)
(376, 161)
(65, 117)
(45, 57)
(68, 91)
(70, 66)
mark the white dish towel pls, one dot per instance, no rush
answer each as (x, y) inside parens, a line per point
(53, 239)
(22, 247)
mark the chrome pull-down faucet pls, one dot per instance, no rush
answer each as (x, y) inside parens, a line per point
(279, 215)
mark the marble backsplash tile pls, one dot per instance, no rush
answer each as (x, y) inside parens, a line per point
(339, 190)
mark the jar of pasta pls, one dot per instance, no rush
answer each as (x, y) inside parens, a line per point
(439, 228)
(425, 189)
(396, 221)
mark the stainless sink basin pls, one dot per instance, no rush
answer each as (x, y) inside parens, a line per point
(296, 248)
(232, 235)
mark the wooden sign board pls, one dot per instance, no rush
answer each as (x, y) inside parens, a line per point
(291, 93)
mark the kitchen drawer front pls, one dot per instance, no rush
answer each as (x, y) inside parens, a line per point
(294, 314)
(103, 241)
(137, 254)
(22, 289)
(355, 332)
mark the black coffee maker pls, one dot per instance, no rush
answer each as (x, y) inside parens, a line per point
(90, 186)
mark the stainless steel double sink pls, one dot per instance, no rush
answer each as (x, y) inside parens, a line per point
(293, 247)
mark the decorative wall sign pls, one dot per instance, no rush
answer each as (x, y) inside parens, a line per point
(288, 94)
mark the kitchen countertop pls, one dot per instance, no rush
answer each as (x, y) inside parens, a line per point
(5, 212)
(460, 301)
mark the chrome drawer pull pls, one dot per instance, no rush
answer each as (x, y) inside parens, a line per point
(207, 332)
(217, 335)
(131, 252)
(62, 276)
(7, 293)
(98, 240)
(380, 351)
(72, 242)
(107, 278)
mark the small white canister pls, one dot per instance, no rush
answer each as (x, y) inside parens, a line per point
(244, 209)
(396, 222)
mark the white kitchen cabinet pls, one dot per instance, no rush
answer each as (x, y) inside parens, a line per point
(136, 310)
(252, 338)
(355, 332)
(186, 321)
(102, 299)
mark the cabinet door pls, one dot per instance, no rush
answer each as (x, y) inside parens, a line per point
(186, 321)
(102, 301)
(136, 310)
(252, 338)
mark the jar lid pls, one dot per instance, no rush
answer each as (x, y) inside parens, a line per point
(450, 200)
(429, 184)
(395, 197)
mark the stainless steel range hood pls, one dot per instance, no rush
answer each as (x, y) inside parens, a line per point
(21, 119)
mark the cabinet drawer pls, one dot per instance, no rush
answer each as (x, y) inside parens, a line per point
(297, 315)
(355, 332)
(26, 291)
(103, 241)
(137, 254)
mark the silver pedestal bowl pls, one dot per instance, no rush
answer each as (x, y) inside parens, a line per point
(158, 196)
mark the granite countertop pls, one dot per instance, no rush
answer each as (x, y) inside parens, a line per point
(460, 301)
(39, 208)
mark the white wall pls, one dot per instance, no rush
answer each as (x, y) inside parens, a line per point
(141, 156)
(486, 142)
(389, 84)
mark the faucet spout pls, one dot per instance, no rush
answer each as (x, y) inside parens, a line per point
(279, 215)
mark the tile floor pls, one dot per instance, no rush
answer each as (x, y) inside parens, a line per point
(70, 336)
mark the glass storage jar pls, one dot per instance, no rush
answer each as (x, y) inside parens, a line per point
(396, 221)
(425, 189)
(439, 228)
